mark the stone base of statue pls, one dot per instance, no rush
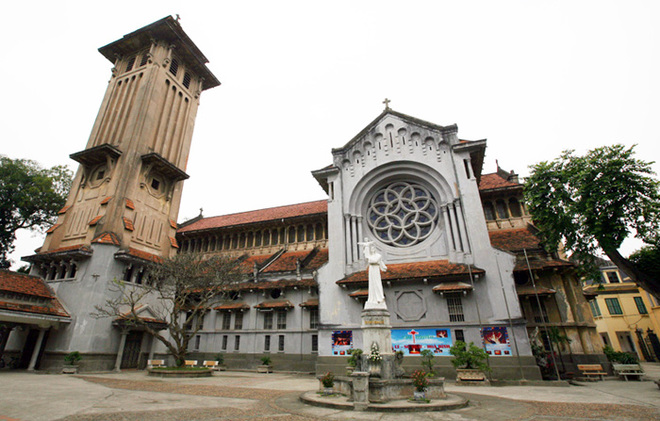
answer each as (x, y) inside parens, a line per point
(376, 329)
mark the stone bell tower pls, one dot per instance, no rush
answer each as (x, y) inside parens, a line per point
(124, 201)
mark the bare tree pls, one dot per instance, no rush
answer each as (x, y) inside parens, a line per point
(178, 291)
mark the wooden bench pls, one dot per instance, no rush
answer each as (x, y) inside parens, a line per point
(190, 363)
(625, 370)
(155, 363)
(590, 370)
(213, 365)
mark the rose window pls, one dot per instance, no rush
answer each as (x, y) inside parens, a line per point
(402, 214)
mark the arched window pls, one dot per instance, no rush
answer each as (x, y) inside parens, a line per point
(241, 241)
(489, 212)
(301, 233)
(501, 209)
(292, 235)
(250, 239)
(319, 231)
(257, 239)
(266, 237)
(310, 232)
(514, 207)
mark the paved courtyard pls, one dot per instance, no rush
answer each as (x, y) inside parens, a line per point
(132, 395)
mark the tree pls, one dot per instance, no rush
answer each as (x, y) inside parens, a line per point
(30, 197)
(593, 202)
(647, 259)
(178, 292)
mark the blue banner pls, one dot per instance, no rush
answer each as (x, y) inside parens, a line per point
(413, 341)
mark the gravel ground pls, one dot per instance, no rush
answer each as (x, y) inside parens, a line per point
(284, 405)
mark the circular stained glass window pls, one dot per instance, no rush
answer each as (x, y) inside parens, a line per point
(402, 214)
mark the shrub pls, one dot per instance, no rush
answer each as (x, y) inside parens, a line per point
(619, 357)
(420, 380)
(220, 358)
(427, 361)
(469, 356)
(328, 379)
(355, 357)
(73, 357)
(265, 360)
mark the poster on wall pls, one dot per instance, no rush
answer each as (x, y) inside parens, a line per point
(413, 341)
(496, 341)
(342, 341)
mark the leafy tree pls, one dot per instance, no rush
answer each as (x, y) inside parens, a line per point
(30, 197)
(178, 291)
(647, 259)
(469, 356)
(592, 202)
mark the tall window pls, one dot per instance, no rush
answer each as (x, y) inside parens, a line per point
(198, 339)
(237, 343)
(280, 344)
(267, 343)
(315, 343)
(540, 314)
(455, 306)
(281, 319)
(612, 277)
(459, 335)
(268, 320)
(224, 342)
(226, 321)
(595, 309)
(641, 307)
(613, 306)
(314, 318)
(238, 321)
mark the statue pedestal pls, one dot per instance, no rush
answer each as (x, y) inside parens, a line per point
(376, 328)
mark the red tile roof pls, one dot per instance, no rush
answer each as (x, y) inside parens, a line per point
(128, 224)
(287, 261)
(173, 224)
(53, 228)
(286, 304)
(360, 293)
(262, 285)
(55, 310)
(514, 239)
(417, 270)
(24, 284)
(95, 220)
(270, 214)
(80, 247)
(107, 238)
(232, 306)
(106, 200)
(130, 204)
(63, 210)
(495, 181)
(144, 255)
(452, 287)
(173, 242)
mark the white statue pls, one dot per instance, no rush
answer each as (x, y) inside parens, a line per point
(375, 263)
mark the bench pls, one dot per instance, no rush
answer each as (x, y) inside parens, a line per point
(155, 363)
(213, 365)
(625, 370)
(590, 370)
(190, 363)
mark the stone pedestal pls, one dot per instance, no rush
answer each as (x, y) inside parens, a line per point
(376, 328)
(360, 390)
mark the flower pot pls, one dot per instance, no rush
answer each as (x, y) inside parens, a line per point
(350, 369)
(374, 369)
(419, 396)
(70, 369)
(264, 369)
(328, 391)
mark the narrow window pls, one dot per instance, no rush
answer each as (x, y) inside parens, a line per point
(267, 343)
(174, 66)
(641, 307)
(281, 319)
(455, 306)
(612, 277)
(224, 342)
(315, 343)
(292, 235)
(501, 209)
(489, 212)
(280, 344)
(459, 335)
(467, 168)
(186, 79)
(238, 321)
(613, 305)
(540, 315)
(129, 65)
(595, 309)
(155, 184)
(198, 339)
(72, 270)
(226, 321)
(268, 320)
(310, 232)
(266, 237)
(144, 60)
(128, 274)
(314, 318)
(237, 343)
(301, 234)
(514, 207)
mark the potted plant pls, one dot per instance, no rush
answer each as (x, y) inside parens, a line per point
(71, 362)
(354, 359)
(220, 358)
(328, 382)
(420, 380)
(265, 366)
(470, 362)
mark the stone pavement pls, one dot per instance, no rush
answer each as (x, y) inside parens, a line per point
(132, 395)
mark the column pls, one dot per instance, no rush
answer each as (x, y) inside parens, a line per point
(37, 347)
(454, 227)
(450, 239)
(360, 235)
(347, 238)
(120, 350)
(5, 331)
(354, 240)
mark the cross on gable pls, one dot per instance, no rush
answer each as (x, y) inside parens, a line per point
(387, 103)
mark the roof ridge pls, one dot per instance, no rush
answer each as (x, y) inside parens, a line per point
(263, 209)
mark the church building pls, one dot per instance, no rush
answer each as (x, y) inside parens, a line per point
(463, 261)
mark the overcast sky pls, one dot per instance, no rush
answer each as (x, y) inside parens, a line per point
(299, 78)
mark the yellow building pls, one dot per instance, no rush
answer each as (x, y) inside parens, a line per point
(627, 317)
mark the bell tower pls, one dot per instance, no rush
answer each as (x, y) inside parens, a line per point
(124, 201)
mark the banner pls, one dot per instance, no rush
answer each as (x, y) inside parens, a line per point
(342, 341)
(413, 341)
(496, 341)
